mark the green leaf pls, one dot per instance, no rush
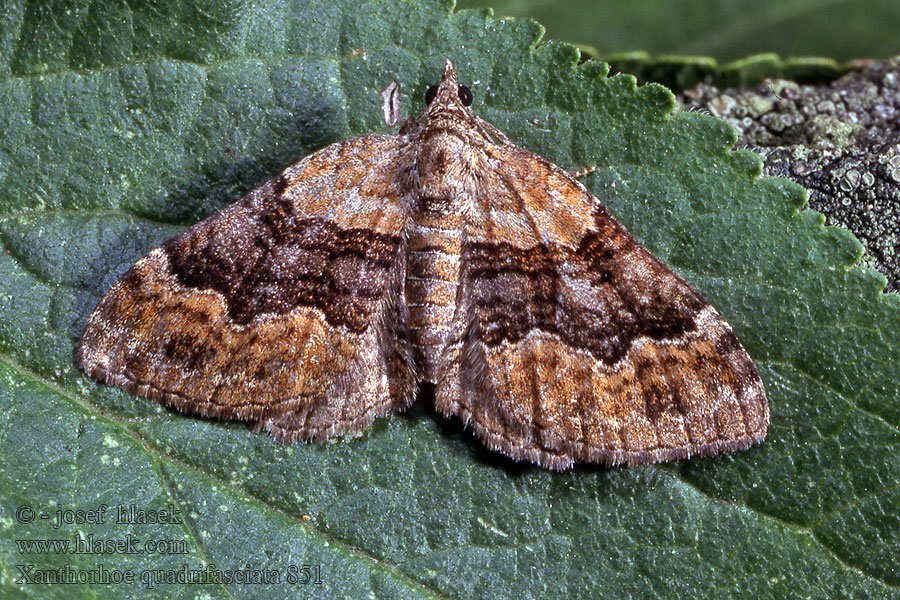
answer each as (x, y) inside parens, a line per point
(727, 30)
(123, 125)
(685, 72)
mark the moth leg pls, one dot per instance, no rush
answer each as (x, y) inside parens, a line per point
(582, 172)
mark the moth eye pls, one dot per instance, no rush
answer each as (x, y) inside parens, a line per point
(465, 95)
(430, 94)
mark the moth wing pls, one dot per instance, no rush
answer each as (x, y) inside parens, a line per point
(285, 309)
(572, 342)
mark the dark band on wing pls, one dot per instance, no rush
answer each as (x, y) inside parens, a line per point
(517, 290)
(287, 262)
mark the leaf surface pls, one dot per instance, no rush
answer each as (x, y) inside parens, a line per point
(122, 126)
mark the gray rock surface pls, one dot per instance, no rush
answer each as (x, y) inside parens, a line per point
(841, 141)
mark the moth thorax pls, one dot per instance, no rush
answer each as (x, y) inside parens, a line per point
(445, 164)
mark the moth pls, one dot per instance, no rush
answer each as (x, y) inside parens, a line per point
(446, 254)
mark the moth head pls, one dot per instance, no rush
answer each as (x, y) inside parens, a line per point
(448, 98)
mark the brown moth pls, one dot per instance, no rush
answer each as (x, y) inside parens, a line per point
(446, 254)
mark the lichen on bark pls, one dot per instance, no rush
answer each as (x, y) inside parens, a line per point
(840, 140)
